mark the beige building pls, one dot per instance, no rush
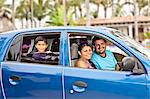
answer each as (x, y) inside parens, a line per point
(125, 24)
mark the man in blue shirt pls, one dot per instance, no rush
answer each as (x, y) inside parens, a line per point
(102, 58)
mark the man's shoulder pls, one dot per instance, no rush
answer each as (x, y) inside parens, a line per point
(94, 54)
(95, 57)
(108, 51)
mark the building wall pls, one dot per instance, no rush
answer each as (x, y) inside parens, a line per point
(129, 29)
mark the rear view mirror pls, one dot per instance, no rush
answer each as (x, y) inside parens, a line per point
(132, 64)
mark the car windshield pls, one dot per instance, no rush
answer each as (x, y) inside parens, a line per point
(132, 43)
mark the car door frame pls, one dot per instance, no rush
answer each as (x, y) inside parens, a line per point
(125, 48)
(62, 55)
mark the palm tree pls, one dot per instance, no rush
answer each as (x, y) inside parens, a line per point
(117, 10)
(76, 4)
(58, 3)
(106, 4)
(41, 9)
(5, 9)
(57, 16)
(31, 1)
(97, 3)
(142, 4)
(23, 12)
(13, 12)
(129, 3)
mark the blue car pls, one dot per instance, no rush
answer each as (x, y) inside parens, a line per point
(23, 77)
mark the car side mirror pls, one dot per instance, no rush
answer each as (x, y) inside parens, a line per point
(133, 65)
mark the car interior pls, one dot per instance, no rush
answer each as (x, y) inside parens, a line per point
(22, 48)
(28, 47)
(76, 39)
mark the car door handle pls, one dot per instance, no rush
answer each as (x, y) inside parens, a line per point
(79, 86)
(14, 80)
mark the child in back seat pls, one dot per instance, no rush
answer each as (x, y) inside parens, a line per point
(41, 48)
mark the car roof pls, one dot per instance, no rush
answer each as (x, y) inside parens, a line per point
(88, 28)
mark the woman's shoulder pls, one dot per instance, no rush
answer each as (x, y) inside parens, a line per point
(80, 63)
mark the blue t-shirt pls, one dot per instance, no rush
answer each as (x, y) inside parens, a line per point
(106, 63)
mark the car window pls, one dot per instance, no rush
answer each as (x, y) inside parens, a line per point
(14, 50)
(23, 49)
(145, 52)
(118, 53)
(75, 39)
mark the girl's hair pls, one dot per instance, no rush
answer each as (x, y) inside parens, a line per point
(80, 47)
(40, 38)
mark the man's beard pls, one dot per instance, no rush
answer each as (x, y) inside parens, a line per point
(99, 52)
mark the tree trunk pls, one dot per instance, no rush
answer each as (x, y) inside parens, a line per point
(97, 10)
(80, 12)
(31, 13)
(40, 23)
(136, 21)
(105, 12)
(75, 11)
(65, 13)
(22, 24)
(13, 12)
(87, 13)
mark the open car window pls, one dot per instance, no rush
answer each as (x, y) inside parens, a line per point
(51, 56)
(23, 48)
(118, 53)
(75, 39)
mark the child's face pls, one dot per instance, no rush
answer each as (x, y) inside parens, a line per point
(41, 46)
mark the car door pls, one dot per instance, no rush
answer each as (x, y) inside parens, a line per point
(29, 80)
(102, 84)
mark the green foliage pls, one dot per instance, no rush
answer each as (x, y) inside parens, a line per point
(142, 3)
(41, 9)
(147, 35)
(75, 8)
(21, 11)
(57, 17)
(1, 3)
(117, 11)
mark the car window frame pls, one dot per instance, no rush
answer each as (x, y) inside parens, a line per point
(108, 38)
(92, 34)
(31, 33)
(10, 44)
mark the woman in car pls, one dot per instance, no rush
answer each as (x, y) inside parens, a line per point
(85, 53)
